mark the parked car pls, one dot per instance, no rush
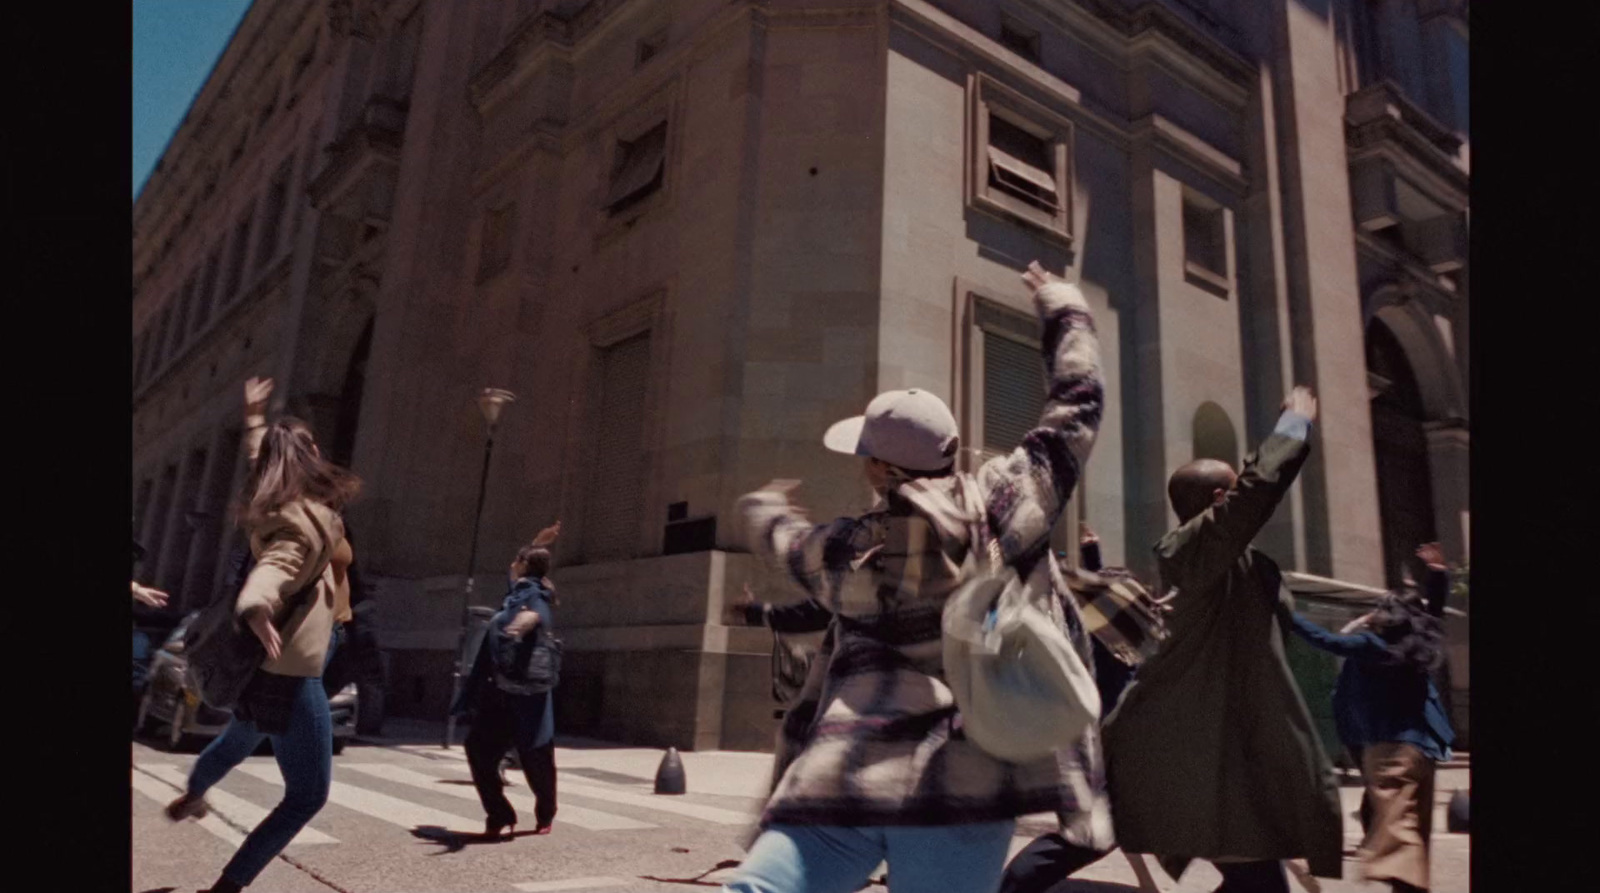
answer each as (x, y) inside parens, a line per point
(172, 705)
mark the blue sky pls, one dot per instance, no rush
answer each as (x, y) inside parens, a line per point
(175, 43)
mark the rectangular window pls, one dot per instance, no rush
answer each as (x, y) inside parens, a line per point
(1020, 163)
(241, 251)
(1021, 157)
(1019, 39)
(163, 333)
(272, 214)
(180, 332)
(301, 197)
(638, 169)
(494, 255)
(208, 287)
(140, 356)
(616, 475)
(1205, 244)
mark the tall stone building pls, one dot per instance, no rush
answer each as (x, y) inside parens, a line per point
(688, 235)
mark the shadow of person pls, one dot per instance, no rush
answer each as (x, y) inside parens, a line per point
(456, 841)
(159, 890)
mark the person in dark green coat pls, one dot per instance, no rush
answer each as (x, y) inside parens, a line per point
(1211, 752)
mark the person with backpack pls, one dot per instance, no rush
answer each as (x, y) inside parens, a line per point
(1390, 715)
(875, 763)
(293, 602)
(508, 693)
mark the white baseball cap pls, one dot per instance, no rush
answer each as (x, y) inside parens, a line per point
(911, 429)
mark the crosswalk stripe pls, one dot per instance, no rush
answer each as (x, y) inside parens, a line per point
(575, 883)
(380, 806)
(577, 815)
(656, 802)
(163, 794)
(242, 811)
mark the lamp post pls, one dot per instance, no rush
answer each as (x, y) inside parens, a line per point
(492, 401)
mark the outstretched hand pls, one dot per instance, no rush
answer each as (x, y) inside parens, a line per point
(1432, 555)
(257, 391)
(1038, 277)
(735, 611)
(1086, 536)
(149, 595)
(1302, 402)
(548, 535)
(261, 625)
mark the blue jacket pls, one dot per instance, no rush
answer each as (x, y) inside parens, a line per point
(535, 719)
(1375, 701)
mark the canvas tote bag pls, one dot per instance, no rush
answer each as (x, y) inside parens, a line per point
(1021, 688)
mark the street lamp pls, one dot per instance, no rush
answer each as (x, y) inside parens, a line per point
(491, 402)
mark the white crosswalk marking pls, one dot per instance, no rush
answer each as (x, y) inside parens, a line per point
(380, 806)
(661, 803)
(241, 811)
(575, 883)
(577, 815)
(164, 794)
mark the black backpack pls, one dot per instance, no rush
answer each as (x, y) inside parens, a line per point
(531, 666)
(222, 656)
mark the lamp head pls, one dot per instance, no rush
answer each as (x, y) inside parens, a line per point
(492, 401)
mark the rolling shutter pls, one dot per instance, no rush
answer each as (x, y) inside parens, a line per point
(1013, 391)
(611, 523)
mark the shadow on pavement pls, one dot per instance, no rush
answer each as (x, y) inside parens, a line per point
(456, 841)
(159, 890)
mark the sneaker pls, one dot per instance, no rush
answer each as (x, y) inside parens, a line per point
(187, 807)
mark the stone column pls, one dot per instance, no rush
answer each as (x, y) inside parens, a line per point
(1339, 483)
(1448, 448)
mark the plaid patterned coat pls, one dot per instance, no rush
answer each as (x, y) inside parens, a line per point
(874, 737)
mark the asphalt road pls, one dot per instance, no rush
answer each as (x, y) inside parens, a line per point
(402, 818)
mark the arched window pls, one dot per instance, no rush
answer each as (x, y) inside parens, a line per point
(1214, 437)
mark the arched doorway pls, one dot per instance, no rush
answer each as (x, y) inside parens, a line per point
(1400, 451)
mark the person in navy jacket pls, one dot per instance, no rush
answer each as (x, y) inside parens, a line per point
(1391, 717)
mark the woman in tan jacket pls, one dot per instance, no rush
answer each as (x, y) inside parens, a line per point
(293, 601)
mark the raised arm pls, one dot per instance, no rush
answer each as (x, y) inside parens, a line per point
(1359, 645)
(1026, 490)
(815, 556)
(256, 393)
(1207, 544)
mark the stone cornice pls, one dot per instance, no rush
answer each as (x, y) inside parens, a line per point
(1419, 281)
(245, 47)
(1381, 122)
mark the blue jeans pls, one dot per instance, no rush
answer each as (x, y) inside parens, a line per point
(831, 859)
(305, 757)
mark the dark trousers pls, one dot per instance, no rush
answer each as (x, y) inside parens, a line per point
(501, 723)
(1045, 865)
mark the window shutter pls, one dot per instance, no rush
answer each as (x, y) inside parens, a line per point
(611, 525)
(1013, 391)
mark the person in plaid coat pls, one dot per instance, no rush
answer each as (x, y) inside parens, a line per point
(872, 764)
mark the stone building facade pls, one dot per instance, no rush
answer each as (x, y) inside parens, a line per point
(690, 234)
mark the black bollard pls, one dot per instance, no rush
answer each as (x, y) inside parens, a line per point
(669, 775)
(1456, 817)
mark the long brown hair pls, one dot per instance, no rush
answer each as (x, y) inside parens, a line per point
(290, 468)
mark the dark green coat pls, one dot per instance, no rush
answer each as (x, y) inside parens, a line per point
(1211, 751)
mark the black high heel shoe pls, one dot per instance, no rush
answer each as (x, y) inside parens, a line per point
(493, 830)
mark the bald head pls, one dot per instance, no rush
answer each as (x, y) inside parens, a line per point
(1198, 485)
